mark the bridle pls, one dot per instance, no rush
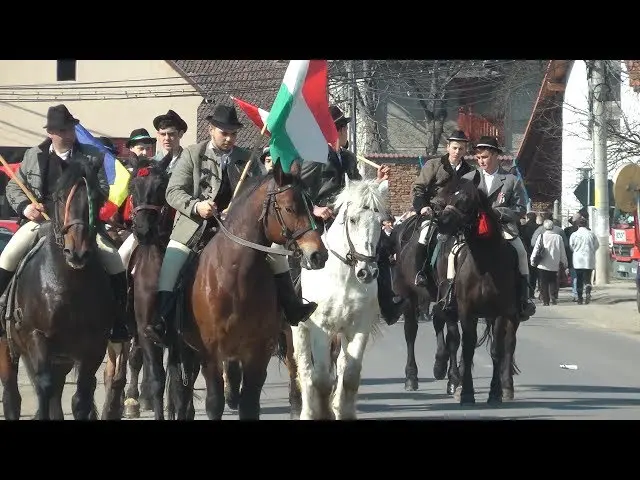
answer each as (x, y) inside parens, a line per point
(60, 232)
(352, 256)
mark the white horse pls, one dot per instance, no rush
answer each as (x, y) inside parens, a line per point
(346, 291)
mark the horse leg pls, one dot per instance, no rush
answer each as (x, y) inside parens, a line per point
(349, 370)
(442, 353)
(180, 406)
(509, 367)
(295, 397)
(469, 325)
(321, 381)
(82, 402)
(254, 374)
(154, 379)
(232, 374)
(410, 334)
(115, 379)
(38, 356)
(11, 399)
(497, 357)
(214, 379)
(59, 374)
(132, 396)
(453, 344)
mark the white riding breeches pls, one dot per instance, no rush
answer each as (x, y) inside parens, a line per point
(424, 229)
(523, 263)
(127, 248)
(177, 254)
(22, 241)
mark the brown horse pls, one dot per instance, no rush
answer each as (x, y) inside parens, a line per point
(233, 298)
(64, 309)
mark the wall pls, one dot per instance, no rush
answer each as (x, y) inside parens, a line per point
(21, 122)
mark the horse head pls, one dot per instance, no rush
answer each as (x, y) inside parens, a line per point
(147, 188)
(77, 198)
(288, 219)
(354, 235)
(466, 209)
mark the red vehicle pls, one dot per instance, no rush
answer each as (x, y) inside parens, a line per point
(7, 228)
(625, 250)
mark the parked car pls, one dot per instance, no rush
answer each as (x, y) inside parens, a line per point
(7, 229)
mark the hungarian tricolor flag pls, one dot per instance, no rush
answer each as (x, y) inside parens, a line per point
(13, 166)
(299, 121)
(256, 114)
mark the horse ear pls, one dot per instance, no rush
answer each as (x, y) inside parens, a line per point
(476, 178)
(295, 168)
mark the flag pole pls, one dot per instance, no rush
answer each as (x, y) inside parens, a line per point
(26, 191)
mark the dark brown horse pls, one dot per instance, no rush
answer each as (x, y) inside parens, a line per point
(233, 298)
(152, 220)
(485, 285)
(65, 309)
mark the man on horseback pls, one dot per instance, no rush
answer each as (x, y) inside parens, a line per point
(325, 181)
(201, 186)
(434, 176)
(506, 194)
(140, 144)
(40, 170)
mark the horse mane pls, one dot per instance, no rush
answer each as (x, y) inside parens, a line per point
(250, 185)
(75, 171)
(362, 194)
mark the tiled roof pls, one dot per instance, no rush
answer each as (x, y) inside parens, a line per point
(372, 156)
(254, 81)
(633, 67)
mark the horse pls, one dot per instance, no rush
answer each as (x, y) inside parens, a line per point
(418, 300)
(152, 219)
(347, 295)
(63, 308)
(484, 287)
(231, 294)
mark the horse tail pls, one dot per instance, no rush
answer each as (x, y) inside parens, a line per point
(281, 350)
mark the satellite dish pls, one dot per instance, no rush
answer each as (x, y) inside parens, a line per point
(626, 187)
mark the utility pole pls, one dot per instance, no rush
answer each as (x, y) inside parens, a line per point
(353, 108)
(601, 190)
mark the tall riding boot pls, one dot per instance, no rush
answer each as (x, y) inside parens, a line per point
(450, 306)
(120, 332)
(5, 279)
(527, 307)
(295, 311)
(420, 259)
(156, 330)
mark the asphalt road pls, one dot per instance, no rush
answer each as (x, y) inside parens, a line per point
(604, 386)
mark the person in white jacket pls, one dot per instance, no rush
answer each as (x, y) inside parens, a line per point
(553, 258)
(583, 244)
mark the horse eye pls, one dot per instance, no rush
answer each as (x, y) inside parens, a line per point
(288, 209)
(352, 220)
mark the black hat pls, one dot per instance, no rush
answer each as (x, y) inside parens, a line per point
(265, 153)
(139, 135)
(174, 118)
(457, 136)
(58, 118)
(225, 117)
(109, 144)
(489, 142)
(338, 116)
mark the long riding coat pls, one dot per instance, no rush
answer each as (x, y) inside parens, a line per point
(433, 177)
(34, 173)
(507, 197)
(197, 176)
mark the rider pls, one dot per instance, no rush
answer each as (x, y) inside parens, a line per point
(201, 198)
(40, 170)
(506, 194)
(324, 182)
(434, 176)
(140, 144)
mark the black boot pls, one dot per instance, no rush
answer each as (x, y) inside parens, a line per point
(527, 307)
(119, 332)
(295, 311)
(420, 259)
(5, 279)
(391, 305)
(450, 307)
(165, 311)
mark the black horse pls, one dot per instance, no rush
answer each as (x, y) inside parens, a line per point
(64, 309)
(152, 219)
(485, 283)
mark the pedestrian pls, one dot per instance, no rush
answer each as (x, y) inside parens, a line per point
(584, 245)
(548, 256)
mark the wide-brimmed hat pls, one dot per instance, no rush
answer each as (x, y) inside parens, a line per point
(225, 117)
(173, 118)
(338, 116)
(59, 117)
(106, 141)
(139, 135)
(457, 136)
(489, 142)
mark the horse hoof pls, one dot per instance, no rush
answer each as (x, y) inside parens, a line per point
(457, 393)
(294, 415)
(145, 404)
(411, 384)
(494, 401)
(233, 402)
(507, 395)
(131, 408)
(451, 388)
(439, 369)
(467, 399)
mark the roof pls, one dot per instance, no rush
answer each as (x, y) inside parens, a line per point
(633, 68)
(254, 81)
(394, 156)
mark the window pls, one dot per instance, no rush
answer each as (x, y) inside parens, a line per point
(66, 70)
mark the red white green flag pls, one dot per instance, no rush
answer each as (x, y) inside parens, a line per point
(256, 114)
